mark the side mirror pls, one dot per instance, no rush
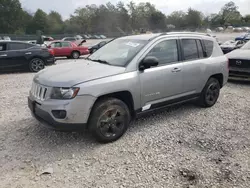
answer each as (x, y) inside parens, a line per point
(48, 46)
(147, 62)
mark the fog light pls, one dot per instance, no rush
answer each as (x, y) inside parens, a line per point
(59, 114)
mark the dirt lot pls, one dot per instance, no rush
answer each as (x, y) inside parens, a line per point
(184, 146)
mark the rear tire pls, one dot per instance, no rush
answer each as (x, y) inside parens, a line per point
(36, 64)
(109, 120)
(75, 55)
(210, 93)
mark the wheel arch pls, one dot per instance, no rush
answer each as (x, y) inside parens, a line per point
(124, 96)
(219, 77)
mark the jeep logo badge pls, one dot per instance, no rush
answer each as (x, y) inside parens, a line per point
(238, 62)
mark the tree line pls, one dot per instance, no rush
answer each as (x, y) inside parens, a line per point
(108, 18)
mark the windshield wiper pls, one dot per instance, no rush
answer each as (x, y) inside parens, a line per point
(100, 61)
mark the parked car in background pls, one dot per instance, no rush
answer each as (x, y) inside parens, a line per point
(245, 37)
(46, 38)
(103, 36)
(86, 36)
(5, 38)
(97, 37)
(127, 77)
(68, 49)
(95, 47)
(239, 62)
(231, 45)
(71, 39)
(22, 55)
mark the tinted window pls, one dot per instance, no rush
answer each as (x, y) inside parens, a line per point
(200, 50)
(190, 49)
(66, 44)
(165, 51)
(3, 47)
(17, 46)
(56, 45)
(209, 45)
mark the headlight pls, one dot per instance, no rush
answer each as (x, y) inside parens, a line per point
(64, 93)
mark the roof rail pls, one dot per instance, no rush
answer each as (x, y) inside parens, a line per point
(191, 33)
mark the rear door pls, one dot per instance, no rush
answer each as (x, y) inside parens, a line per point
(66, 48)
(17, 51)
(194, 60)
(4, 58)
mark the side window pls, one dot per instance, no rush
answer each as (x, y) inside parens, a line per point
(189, 49)
(209, 46)
(165, 51)
(200, 50)
(17, 46)
(56, 45)
(3, 47)
(66, 44)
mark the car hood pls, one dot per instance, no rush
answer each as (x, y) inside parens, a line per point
(70, 74)
(239, 54)
(227, 46)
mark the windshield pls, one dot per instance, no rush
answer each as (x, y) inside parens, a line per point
(119, 52)
(246, 46)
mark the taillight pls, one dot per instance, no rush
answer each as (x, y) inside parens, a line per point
(51, 51)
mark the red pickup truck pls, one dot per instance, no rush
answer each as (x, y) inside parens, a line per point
(68, 49)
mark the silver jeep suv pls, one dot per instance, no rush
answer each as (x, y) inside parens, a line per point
(127, 77)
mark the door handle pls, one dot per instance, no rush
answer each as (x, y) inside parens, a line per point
(176, 70)
(28, 53)
(4, 55)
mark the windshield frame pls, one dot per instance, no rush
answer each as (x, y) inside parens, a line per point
(127, 62)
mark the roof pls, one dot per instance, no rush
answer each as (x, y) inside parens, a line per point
(142, 36)
(152, 36)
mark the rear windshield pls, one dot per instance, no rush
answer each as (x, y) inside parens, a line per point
(209, 46)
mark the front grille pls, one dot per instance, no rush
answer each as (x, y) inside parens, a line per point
(239, 63)
(38, 91)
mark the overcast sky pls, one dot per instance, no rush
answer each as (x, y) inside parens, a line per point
(67, 7)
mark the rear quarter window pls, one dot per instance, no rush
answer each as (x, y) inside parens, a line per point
(209, 46)
(17, 46)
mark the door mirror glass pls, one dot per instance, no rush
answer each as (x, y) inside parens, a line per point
(147, 62)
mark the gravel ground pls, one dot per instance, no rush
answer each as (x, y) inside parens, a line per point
(184, 146)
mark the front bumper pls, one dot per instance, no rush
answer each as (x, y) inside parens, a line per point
(239, 73)
(78, 111)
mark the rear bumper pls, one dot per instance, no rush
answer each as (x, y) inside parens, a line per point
(50, 61)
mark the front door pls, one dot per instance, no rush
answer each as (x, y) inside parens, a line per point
(162, 83)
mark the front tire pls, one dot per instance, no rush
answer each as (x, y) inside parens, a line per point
(109, 120)
(75, 55)
(36, 64)
(210, 93)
